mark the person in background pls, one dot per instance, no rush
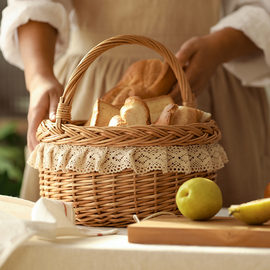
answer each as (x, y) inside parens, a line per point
(223, 46)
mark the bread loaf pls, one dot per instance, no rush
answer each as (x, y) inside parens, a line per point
(135, 112)
(145, 79)
(102, 114)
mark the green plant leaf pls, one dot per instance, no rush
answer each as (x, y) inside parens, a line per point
(12, 160)
(13, 172)
(11, 152)
(8, 187)
(7, 129)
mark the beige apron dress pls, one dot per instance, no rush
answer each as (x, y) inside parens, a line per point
(240, 112)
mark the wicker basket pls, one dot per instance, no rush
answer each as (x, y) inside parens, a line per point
(113, 199)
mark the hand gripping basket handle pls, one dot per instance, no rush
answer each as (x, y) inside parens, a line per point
(64, 106)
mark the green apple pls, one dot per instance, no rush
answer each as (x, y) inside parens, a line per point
(199, 198)
(254, 213)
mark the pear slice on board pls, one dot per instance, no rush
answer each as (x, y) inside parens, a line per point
(254, 212)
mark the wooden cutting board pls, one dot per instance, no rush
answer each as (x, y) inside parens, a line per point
(218, 231)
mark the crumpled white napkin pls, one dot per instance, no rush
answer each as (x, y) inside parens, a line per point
(49, 219)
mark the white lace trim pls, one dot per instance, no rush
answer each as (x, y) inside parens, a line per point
(107, 160)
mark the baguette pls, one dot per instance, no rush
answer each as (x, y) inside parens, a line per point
(145, 79)
(166, 116)
(186, 115)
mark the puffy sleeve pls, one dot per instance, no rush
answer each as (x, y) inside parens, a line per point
(254, 21)
(19, 12)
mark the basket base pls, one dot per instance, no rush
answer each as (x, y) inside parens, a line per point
(111, 200)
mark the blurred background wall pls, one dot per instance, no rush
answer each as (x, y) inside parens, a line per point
(14, 100)
(13, 95)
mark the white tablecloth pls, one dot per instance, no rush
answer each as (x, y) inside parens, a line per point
(115, 252)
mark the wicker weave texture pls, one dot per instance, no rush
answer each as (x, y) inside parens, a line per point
(197, 133)
(113, 199)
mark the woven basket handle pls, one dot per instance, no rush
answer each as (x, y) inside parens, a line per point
(64, 106)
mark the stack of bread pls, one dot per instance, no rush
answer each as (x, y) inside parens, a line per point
(142, 98)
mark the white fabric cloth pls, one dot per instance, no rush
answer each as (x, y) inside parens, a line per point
(114, 252)
(251, 17)
(48, 219)
(254, 22)
(19, 13)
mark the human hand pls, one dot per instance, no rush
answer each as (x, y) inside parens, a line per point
(200, 56)
(45, 92)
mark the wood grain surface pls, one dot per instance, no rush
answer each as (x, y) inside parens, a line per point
(218, 231)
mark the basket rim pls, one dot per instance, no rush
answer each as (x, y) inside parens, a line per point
(150, 135)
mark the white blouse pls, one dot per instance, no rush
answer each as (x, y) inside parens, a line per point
(251, 17)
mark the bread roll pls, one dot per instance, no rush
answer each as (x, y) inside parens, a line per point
(135, 112)
(145, 79)
(166, 116)
(102, 114)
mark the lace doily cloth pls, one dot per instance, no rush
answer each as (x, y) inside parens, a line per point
(107, 160)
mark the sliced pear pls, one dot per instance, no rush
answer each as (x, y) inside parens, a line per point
(253, 213)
